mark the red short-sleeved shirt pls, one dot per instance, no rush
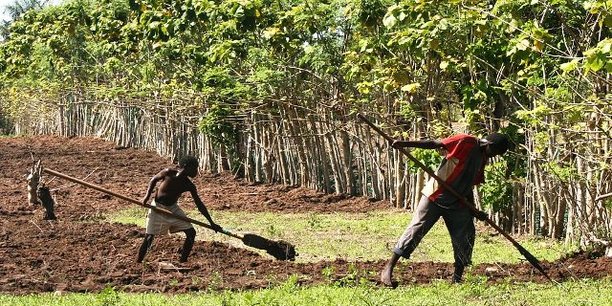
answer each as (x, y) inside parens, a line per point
(462, 168)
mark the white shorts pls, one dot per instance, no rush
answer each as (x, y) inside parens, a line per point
(161, 224)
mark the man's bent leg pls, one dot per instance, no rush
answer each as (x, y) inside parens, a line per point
(460, 225)
(190, 235)
(145, 246)
(425, 216)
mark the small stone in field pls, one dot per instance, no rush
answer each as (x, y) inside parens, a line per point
(490, 270)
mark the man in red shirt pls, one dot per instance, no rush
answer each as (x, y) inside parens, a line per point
(462, 168)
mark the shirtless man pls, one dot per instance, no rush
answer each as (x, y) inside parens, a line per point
(174, 182)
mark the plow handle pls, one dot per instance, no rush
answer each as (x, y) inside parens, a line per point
(134, 201)
(534, 262)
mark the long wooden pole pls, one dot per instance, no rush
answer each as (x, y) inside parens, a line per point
(534, 261)
(134, 201)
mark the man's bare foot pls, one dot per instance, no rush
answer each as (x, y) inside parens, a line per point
(385, 277)
(386, 273)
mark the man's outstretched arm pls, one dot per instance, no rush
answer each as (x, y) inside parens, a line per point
(158, 177)
(202, 209)
(422, 144)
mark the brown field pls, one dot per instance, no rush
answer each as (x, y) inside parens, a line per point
(80, 252)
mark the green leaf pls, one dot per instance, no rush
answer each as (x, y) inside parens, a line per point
(523, 45)
(608, 21)
(411, 88)
(596, 62)
(153, 25)
(389, 21)
(569, 66)
(605, 45)
(270, 32)
(402, 16)
(443, 65)
(364, 87)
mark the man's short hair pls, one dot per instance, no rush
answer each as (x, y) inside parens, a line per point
(499, 142)
(188, 162)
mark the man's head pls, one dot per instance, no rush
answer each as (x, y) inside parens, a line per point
(497, 144)
(190, 164)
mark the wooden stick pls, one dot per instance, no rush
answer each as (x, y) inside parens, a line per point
(281, 250)
(134, 201)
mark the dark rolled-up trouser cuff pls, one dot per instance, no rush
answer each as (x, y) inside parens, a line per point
(401, 252)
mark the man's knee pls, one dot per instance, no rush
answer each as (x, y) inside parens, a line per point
(190, 233)
(149, 238)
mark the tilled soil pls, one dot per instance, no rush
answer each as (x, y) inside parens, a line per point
(80, 252)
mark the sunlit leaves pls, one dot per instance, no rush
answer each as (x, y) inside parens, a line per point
(389, 21)
(569, 66)
(215, 125)
(563, 172)
(430, 158)
(496, 192)
(411, 88)
(406, 110)
(462, 52)
(599, 57)
(271, 32)
(534, 116)
(602, 8)
(371, 12)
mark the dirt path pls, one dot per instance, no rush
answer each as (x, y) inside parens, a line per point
(80, 253)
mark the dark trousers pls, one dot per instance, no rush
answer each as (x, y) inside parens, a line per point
(459, 222)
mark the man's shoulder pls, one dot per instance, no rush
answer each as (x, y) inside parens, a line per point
(168, 171)
(458, 138)
(462, 136)
(188, 182)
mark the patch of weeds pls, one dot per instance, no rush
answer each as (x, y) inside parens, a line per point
(173, 282)
(352, 277)
(216, 281)
(476, 280)
(314, 221)
(227, 299)
(364, 281)
(108, 296)
(272, 230)
(475, 286)
(291, 283)
(328, 272)
(370, 297)
(487, 239)
(273, 280)
(196, 280)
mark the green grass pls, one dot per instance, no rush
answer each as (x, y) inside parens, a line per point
(472, 292)
(358, 236)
